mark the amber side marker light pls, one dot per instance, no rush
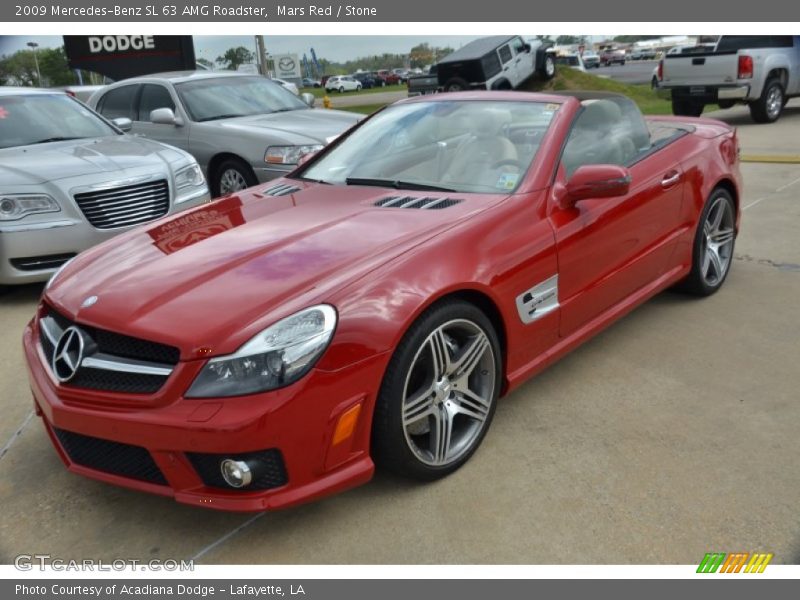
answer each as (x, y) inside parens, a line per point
(346, 424)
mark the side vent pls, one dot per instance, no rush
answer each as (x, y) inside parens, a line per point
(426, 203)
(282, 189)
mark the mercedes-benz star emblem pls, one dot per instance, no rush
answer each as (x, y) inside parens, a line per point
(68, 354)
(90, 301)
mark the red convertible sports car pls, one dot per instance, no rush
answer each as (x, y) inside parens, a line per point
(273, 346)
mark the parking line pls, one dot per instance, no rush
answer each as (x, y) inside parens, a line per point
(15, 435)
(228, 535)
(777, 191)
(791, 159)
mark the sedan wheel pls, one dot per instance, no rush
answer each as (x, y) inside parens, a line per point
(713, 245)
(439, 393)
(233, 175)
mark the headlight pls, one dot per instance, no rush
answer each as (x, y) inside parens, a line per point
(16, 207)
(191, 176)
(289, 155)
(276, 357)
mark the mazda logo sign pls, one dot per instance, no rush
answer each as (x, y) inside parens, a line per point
(286, 64)
(68, 354)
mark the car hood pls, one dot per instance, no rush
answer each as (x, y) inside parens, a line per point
(317, 126)
(214, 276)
(40, 163)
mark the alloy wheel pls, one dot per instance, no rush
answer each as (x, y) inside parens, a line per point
(448, 393)
(718, 242)
(230, 181)
(774, 102)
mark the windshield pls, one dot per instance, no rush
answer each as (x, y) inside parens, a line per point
(226, 97)
(41, 118)
(463, 146)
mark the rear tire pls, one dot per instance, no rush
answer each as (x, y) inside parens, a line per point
(433, 410)
(769, 106)
(548, 68)
(456, 84)
(687, 108)
(712, 251)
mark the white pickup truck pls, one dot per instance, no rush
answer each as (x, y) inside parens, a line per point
(762, 71)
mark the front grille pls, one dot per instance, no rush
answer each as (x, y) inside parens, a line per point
(125, 346)
(425, 203)
(110, 457)
(208, 468)
(37, 263)
(119, 346)
(125, 206)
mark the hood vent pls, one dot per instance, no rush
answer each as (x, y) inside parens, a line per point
(426, 203)
(282, 189)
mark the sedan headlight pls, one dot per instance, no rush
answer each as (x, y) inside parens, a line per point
(289, 155)
(276, 357)
(188, 177)
(16, 207)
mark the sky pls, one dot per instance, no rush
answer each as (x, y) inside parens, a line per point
(334, 48)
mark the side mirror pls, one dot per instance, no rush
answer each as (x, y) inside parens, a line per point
(597, 181)
(308, 99)
(164, 116)
(123, 123)
(526, 47)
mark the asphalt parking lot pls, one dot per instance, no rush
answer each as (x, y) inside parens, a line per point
(671, 434)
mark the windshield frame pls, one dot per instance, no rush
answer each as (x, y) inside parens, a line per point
(300, 172)
(181, 86)
(79, 106)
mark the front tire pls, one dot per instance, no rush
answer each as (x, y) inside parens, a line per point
(439, 393)
(769, 106)
(712, 252)
(548, 69)
(232, 175)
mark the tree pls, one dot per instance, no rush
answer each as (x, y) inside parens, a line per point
(566, 40)
(234, 57)
(20, 68)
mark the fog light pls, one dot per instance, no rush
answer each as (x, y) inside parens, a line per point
(236, 473)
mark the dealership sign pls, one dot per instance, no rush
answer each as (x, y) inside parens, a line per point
(123, 56)
(287, 66)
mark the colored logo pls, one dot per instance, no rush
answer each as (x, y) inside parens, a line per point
(736, 562)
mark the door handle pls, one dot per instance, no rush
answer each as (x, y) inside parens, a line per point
(670, 178)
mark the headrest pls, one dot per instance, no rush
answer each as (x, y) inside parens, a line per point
(600, 113)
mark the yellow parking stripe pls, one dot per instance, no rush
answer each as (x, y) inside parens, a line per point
(792, 159)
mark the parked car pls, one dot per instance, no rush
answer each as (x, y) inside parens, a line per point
(69, 179)
(311, 83)
(612, 57)
(758, 70)
(342, 83)
(591, 60)
(367, 80)
(287, 85)
(572, 60)
(419, 85)
(280, 352)
(388, 77)
(242, 129)
(643, 54)
(495, 63)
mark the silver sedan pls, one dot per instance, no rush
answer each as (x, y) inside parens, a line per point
(242, 129)
(69, 179)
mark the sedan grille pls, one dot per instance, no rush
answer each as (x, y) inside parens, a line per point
(415, 202)
(125, 206)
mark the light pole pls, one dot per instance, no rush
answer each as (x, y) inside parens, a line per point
(34, 45)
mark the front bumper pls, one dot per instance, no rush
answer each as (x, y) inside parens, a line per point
(265, 174)
(26, 246)
(298, 421)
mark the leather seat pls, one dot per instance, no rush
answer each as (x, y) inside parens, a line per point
(477, 161)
